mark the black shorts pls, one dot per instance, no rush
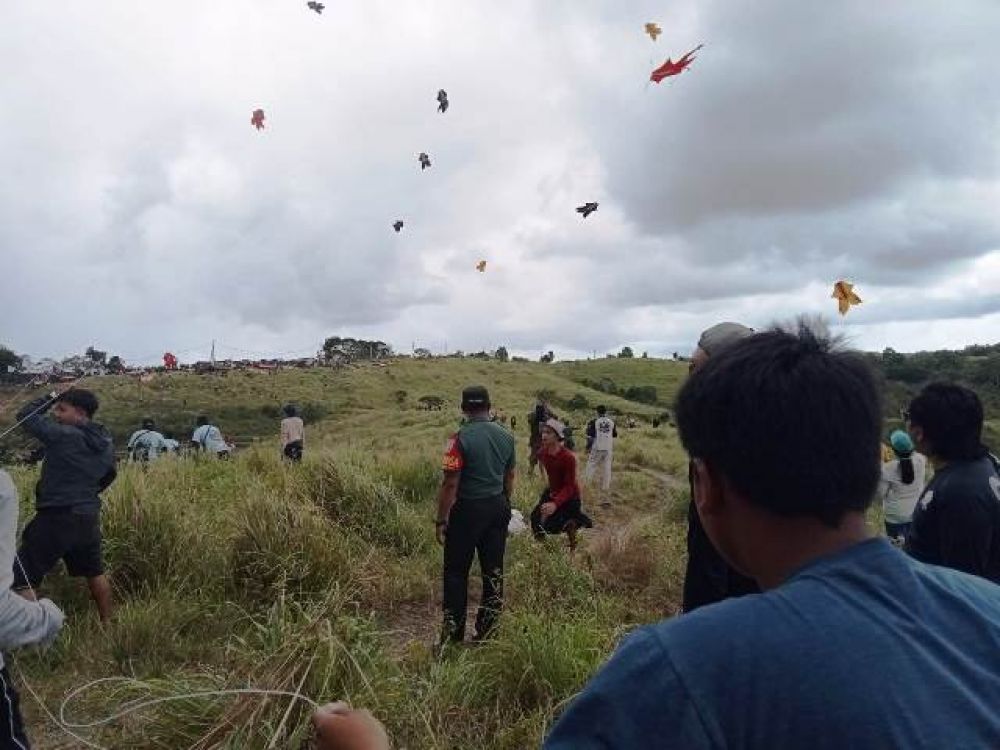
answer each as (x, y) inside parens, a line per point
(293, 451)
(54, 535)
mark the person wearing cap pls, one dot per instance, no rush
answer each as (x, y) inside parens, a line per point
(708, 578)
(956, 522)
(559, 509)
(901, 486)
(473, 513)
(79, 465)
(293, 434)
(146, 443)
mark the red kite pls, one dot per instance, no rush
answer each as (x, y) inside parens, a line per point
(169, 361)
(845, 296)
(481, 266)
(258, 119)
(671, 68)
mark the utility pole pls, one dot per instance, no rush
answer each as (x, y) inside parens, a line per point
(212, 358)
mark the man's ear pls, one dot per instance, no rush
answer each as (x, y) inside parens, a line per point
(708, 498)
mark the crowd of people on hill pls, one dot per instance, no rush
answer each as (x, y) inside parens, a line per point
(147, 444)
(800, 626)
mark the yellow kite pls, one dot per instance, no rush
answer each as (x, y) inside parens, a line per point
(843, 292)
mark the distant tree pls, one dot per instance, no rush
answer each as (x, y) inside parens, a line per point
(645, 355)
(96, 356)
(9, 361)
(676, 356)
(626, 353)
(115, 364)
(547, 358)
(502, 354)
(355, 349)
(421, 353)
(519, 359)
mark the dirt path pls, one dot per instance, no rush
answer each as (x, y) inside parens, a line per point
(418, 622)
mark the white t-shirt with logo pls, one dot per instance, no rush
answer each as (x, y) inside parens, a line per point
(604, 433)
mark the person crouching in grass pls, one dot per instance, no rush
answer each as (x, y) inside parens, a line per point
(559, 509)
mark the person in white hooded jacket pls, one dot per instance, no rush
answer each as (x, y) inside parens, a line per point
(22, 622)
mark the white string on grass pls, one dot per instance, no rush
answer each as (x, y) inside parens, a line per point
(130, 707)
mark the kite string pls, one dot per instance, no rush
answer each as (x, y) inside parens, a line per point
(45, 405)
(131, 707)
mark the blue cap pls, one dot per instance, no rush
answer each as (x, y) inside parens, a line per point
(901, 443)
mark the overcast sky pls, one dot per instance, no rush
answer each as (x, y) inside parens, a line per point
(809, 142)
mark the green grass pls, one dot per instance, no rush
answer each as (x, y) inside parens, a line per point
(251, 572)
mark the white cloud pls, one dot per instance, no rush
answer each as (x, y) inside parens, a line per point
(142, 211)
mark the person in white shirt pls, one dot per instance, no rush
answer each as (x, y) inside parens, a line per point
(208, 438)
(903, 481)
(23, 621)
(601, 433)
(146, 444)
(293, 434)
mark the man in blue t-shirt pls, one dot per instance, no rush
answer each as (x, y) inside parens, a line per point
(956, 522)
(852, 643)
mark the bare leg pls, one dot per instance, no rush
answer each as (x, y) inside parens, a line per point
(100, 592)
(570, 529)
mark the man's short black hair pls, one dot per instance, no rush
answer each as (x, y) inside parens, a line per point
(602, 410)
(289, 410)
(148, 423)
(788, 419)
(475, 398)
(201, 420)
(82, 399)
(951, 417)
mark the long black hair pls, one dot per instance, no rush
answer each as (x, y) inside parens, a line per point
(906, 468)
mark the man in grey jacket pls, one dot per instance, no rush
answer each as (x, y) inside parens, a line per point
(79, 464)
(22, 622)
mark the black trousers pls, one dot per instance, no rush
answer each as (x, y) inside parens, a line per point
(709, 578)
(571, 510)
(12, 736)
(475, 527)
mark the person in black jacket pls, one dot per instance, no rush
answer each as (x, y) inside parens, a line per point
(956, 522)
(708, 578)
(79, 465)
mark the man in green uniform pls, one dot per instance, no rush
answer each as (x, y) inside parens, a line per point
(473, 513)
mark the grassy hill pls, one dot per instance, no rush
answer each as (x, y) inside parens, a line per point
(327, 574)
(325, 577)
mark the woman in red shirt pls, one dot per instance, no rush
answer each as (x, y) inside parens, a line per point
(559, 509)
